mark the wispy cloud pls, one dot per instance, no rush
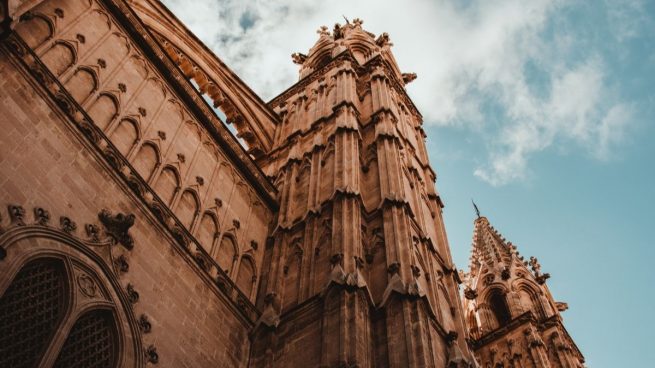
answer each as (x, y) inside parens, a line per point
(517, 63)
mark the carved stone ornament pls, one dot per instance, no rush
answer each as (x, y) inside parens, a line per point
(505, 274)
(151, 354)
(393, 268)
(92, 231)
(121, 263)
(470, 294)
(117, 226)
(81, 38)
(87, 285)
(59, 12)
(17, 214)
(102, 63)
(132, 295)
(181, 158)
(144, 324)
(218, 202)
(161, 134)
(254, 245)
(236, 223)
(298, 58)
(122, 87)
(142, 111)
(200, 180)
(67, 224)
(41, 216)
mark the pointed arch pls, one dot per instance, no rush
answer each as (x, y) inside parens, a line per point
(146, 160)
(188, 207)
(292, 274)
(498, 305)
(104, 109)
(207, 231)
(60, 57)
(126, 135)
(247, 275)
(168, 183)
(82, 84)
(36, 31)
(227, 253)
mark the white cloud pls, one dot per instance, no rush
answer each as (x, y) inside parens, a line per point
(468, 55)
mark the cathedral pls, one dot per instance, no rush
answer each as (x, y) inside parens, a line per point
(154, 211)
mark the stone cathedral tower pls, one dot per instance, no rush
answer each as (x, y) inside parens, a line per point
(512, 318)
(360, 269)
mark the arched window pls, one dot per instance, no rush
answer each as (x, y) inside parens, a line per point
(91, 343)
(499, 307)
(36, 307)
(31, 309)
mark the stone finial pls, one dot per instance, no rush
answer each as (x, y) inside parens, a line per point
(323, 31)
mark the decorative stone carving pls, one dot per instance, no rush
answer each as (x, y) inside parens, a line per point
(142, 111)
(254, 245)
(408, 77)
(470, 294)
(298, 58)
(393, 268)
(161, 134)
(121, 263)
(181, 157)
(200, 180)
(236, 223)
(132, 295)
(151, 354)
(59, 12)
(17, 215)
(383, 40)
(86, 285)
(92, 231)
(80, 37)
(117, 226)
(505, 274)
(122, 87)
(218, 202)
(41, 216)
(102, 63)
(67, 224)
(144, 324)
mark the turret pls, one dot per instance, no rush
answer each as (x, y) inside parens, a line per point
(511, 316)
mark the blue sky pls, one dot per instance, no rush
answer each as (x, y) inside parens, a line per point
(541, 110)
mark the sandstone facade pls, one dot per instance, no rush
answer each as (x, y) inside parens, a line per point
(139, 230)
